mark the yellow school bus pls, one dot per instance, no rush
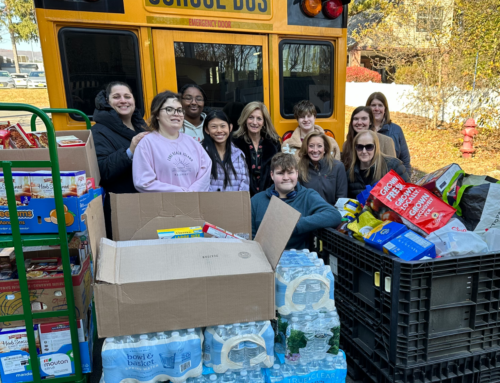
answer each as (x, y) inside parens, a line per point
(238, 51)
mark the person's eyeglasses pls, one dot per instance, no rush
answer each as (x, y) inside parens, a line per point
(189, 99)
(171, 111)
(368, 147)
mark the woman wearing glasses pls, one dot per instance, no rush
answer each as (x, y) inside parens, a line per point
(369, 164)
(167, 160)
(193, 101)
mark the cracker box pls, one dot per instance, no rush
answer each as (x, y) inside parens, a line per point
(19, 139)
(218, 232)
(22, 188)
(384, 233)
(183, 232)
(69, 141)
(410, 247)
(438, 181)
(73, 184)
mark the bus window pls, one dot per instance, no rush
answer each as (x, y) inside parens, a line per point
(226, 72)
(92, 58)
(306, 69)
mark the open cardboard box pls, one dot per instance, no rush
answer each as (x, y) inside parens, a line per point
(151, 285)
(73, 158)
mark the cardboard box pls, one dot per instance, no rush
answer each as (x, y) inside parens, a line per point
(15, 365)
(39, 214)
(48, 293)
(437, 181)
(140, 215)
(203, 282)
(384, 233)
(73, 184)
(74, 158)
(22, 188)
(55, 335)
(410, 247)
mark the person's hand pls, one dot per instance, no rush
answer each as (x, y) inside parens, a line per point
(136, 140)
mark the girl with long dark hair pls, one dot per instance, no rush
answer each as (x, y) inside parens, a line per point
(229, 169)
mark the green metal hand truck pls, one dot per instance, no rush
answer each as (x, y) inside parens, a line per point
(18, 240)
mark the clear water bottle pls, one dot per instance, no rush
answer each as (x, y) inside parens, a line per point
(301, 369)
(252, 349)
(221, 331)
(290, 358)
(161, 336)
(109, 341)
(237, 353)
(129, 339)
(275, 374)
(242, 377)
(212, 378)
(287, 370)
(255, 376)
(299, 295)
(307, 327)
(315, 365)
(328, 364)
(227, 377)
(143, 340)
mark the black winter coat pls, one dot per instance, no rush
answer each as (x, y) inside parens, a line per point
(359, 185)
(112, 139)
(330, 185)
(269, 149)
(402, 152)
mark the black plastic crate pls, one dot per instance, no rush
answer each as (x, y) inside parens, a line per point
(428, 311)
(483, 367)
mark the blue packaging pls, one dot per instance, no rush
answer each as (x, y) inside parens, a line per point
(36, 218)
(384, 233)
(410, 247)
(363, 196)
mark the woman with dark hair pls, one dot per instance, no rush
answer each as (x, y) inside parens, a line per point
(193, 99)
(259, 142)
(119, 128)
(361, 120)
(167, 160)
(229, 169)
(369, 164)
(383, 125)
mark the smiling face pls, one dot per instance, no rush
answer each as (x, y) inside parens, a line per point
(171, 123)
(193, 102)
(316, 149)
(284, 180)
(122, 101)
(255, 121)
(378, 110)
(218, 130)
(306, 123)
(364, 155)
(361, 121)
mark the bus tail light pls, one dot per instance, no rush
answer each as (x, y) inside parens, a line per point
(329, 133)
(311, 8)
(287, 135)
(332, 8)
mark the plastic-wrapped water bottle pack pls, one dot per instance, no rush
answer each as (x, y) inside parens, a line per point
(303, 282)
(238, 346)
(154, 357)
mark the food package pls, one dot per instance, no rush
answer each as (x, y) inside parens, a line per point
(41, 139)
(363, 224)
(90, 183)
(22, 188)
(410, 246)
(363, 196)
(4, 124)
(437, 182)
(73, 184)
(19, 139)
(384, 233)
(218, 232)
(182, 232)
(4, 139)
(348, 205)
(414, 203)
(69, 141)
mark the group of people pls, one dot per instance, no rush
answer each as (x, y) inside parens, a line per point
(182, 149)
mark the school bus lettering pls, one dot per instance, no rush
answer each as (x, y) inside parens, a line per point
(209, 23)
(259, 7)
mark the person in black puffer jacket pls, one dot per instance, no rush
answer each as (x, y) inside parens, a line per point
(383, 125)
(319, 170)
(119, 128)
(369, 165)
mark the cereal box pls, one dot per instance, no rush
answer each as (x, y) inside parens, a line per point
(22, 188)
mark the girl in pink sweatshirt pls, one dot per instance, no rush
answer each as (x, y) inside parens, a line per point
(167, 160)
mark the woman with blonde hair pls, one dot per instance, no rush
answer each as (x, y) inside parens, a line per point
(319, 170)
(259, 142)
(362, 119)
(383, 125)
(369, 164)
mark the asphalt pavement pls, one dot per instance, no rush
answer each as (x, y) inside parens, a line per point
(23, 118)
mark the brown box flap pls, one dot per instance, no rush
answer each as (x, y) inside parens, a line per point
(94, 220)
(140, 215)
(276, 229)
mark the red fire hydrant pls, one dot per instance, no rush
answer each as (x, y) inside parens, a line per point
(469, 132)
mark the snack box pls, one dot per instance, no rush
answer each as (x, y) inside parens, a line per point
(69, 141)
(4, 139)
(41, 139)
(15, 365)
(384, 233)
(39, 215)
(19, 139)
(22, 188)
(183, 232)
(437, 181)
(218, 232)
(73, 184)
(410, 247)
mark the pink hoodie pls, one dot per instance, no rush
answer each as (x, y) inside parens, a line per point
(163, 165)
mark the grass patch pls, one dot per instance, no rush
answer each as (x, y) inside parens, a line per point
(36, 97)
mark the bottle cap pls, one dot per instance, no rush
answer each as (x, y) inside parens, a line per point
(144, 336)
(308, 317)
(160, 333)
(220, 326)
(175, 333)
(295, 319)
(190, 329)
(243, 372)
(237, 324)
(276, 366)
(213, 377)
(306, 251)
(110, 340)
(251, 323)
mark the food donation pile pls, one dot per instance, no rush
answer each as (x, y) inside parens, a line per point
(445, 213)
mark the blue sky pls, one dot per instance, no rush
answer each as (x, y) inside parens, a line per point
(6, 44)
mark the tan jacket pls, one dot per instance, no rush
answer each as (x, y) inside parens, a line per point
(294, 143)
(386, 145)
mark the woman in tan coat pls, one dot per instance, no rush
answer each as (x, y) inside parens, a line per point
(362, 120)
(305, 113)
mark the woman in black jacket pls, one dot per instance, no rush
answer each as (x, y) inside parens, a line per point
(319, 170)
(259, 142)
(369, 165)
(119, 128)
